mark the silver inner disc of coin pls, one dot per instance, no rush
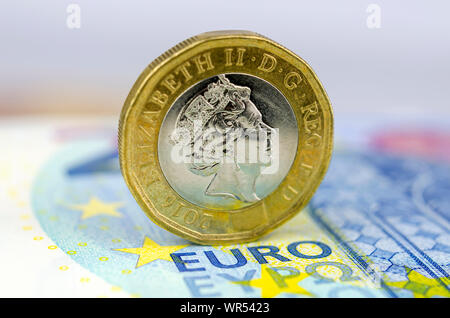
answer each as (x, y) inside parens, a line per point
(228, 141)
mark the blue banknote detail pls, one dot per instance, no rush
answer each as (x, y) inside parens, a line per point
(393, 210)
(63, 202)
(83, 204)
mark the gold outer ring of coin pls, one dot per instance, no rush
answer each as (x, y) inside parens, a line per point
(189, 62)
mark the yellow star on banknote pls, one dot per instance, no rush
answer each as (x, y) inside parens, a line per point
(271, 283)
(151, 251)
(97, 207)
(421, 286)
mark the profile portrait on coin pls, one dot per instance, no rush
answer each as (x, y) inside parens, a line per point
(222, 134)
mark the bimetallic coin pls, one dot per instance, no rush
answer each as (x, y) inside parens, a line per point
(224, 137)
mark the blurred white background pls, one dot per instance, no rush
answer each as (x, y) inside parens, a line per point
(401, 67)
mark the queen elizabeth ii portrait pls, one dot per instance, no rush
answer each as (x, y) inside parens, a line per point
(222, 136)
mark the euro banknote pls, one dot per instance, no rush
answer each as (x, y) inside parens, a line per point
(376, 227)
